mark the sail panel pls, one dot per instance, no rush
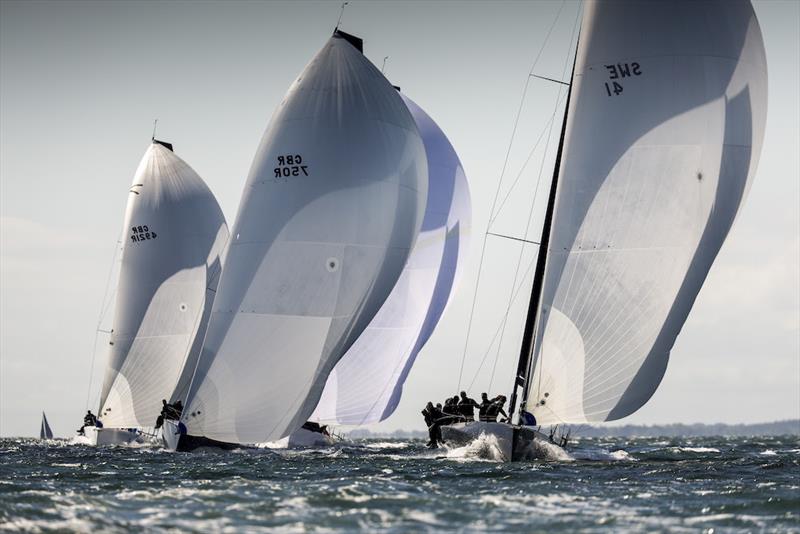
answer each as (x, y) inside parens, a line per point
(663, 134)
(330, 211)
(174, 235)
(366, 385)
(44, 431)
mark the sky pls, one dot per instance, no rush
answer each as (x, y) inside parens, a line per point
(82, 82)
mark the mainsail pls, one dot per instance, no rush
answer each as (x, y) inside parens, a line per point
(44, 431)
(174, 235)
(330, 211)
(366, 385)
(664, 130)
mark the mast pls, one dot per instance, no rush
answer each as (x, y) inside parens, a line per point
(532, 318)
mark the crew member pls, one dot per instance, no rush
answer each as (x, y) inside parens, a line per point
(89, 420)
(466, 407)
(483, 407)
(496, 408)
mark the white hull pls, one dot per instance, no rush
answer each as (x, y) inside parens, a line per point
(111, 436)
(302, 438)
(170, 434)
(527, 438)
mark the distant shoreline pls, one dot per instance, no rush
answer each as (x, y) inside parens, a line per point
(789, 427)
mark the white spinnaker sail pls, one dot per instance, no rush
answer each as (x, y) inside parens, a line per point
(44, 431)
(174, 235)
(331, 208)
(665, 127)
(366, 385)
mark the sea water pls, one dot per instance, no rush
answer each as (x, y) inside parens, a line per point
(600, 485)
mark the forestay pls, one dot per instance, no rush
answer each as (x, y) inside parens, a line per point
(366, 385)
(174, 234)
(664, 131)
(330, 211)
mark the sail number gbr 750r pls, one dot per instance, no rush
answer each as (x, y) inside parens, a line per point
(290, 165)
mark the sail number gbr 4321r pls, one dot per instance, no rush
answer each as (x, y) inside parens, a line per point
(290, 165)
(619, 71)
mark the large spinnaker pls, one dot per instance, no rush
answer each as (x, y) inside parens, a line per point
(330, 211)
(174, 234)
(367, 383)
(664, 131)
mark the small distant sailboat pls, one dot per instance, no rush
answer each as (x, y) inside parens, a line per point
(331, 209)
(661, 138)
(45, 432)
(175, 233)
(366, 385)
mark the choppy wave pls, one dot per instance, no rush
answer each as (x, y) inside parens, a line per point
(603, 485)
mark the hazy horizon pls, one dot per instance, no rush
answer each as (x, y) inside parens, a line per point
(82, 82)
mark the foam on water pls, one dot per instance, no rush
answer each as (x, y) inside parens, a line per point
(695, 449)
(484, 447)
(399, 486)
(602, 455)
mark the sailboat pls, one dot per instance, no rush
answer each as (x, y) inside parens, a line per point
(366, 385)
(171, 259)
(331, 209)
(44, 431)
(661, 138)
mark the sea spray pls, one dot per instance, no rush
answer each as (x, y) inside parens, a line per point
(484, 447)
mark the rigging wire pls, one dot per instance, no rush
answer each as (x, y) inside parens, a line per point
(338, 22)
(514, 297)
(531, 364)
(527, 159)
(103, 309)
(522, 248)
(499, 184)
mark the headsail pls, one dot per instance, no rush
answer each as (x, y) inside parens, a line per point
(330, 211)
(44, 431)
(366, 385)
(664, 131)
(174, 235)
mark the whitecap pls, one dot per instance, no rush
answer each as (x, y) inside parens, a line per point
(600, 455)
(484, 447)
(694, 449)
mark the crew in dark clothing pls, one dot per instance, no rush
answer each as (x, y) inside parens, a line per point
(496, 408)
(316, 427)
(428, 413)
(171, 412)
(434, 418)
(449, 412)
(466, 407)
(89, 420)
(483, 407)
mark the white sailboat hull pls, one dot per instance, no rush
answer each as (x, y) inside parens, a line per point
(111, 436)
(515, 442)
(302, 438)
(170, 435)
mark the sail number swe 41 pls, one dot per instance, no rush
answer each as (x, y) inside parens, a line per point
(290, 165)
(619, 71)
